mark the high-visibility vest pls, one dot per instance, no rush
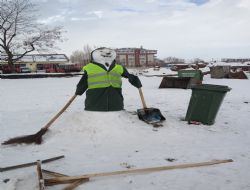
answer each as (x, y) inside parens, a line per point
(100, 78)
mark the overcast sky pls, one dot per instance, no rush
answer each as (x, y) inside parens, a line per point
(183, 28)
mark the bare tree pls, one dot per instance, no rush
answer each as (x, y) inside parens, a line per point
(82, 56)
(197, 60)
(173, 60)
(87, 53)
(20, 33)
(77, 57)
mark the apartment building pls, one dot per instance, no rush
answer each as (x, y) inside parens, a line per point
(136, 57)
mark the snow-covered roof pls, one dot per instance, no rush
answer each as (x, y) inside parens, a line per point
(39, 58)
(227, 64)
(52, 57)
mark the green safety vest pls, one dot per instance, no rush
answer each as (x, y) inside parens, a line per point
(100, 78)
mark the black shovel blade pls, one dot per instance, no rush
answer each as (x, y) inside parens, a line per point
(150, 115)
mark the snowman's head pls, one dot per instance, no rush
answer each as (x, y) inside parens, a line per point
(104, 56)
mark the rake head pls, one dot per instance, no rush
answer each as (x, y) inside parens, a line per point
(27, 139)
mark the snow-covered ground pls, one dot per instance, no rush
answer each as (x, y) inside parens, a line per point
(108, 141)
(163, 71)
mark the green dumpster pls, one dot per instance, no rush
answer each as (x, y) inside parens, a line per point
(197, 74)
(205, 103)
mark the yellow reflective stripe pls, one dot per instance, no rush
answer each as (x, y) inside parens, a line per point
(106, 82)
(104, 73)
(97, 75)
(98, 78)
(114, 74)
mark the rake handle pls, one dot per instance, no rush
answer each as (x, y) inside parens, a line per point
(69, 179)
(59, 113)
(142, 99)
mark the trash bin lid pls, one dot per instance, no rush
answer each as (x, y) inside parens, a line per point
(211, 87)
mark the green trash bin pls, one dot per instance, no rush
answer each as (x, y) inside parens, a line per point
(205, 103)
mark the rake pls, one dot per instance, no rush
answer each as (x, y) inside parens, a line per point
(37, 137)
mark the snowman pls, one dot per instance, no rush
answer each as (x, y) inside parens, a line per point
(102, 81)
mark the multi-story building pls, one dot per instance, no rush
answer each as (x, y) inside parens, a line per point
(136, 57)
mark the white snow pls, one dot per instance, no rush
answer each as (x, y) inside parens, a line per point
(162, 71)
(247, 73)
(108, 141)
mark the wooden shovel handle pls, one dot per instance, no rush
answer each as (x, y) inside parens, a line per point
(142, 99)
(60, 112)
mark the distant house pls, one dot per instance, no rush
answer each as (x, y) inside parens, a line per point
(230, 68)
(36, 62)
(136, 57)
(243, 65)
(238, 60)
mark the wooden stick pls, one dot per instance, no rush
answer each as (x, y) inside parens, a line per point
(55, 174)
(60, 112)
(142, 99)
(30, 164)
(59, 180)
(76, 184)
(40, 176)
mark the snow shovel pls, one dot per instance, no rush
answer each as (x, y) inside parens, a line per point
(37, 137)
(149, 115)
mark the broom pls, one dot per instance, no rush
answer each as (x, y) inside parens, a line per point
(37, 137)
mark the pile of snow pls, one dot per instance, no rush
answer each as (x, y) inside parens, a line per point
(158, 72)
(247, 73)
(161, 71)
(164, 71)
(108, 141)
(203, 70)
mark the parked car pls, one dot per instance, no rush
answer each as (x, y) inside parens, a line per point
(50, 70)
(25, 70)
(157, 68)
(41, 71)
